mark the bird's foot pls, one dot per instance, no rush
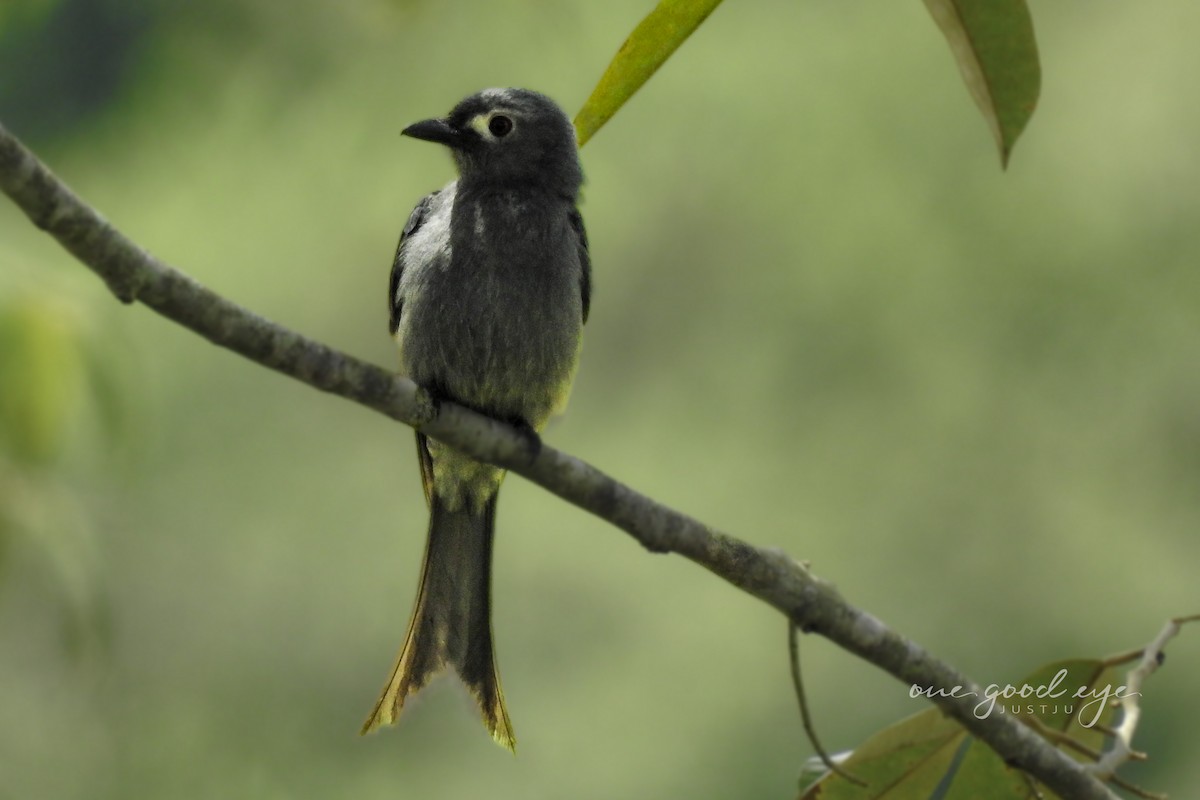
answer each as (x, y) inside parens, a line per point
(532, 441)
(429, 403)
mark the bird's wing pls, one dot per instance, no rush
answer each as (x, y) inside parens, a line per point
(415, 220)
(585, 261)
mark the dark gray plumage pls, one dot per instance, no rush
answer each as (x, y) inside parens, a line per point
(488, 294)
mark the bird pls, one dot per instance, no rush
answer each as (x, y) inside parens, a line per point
(487, 297)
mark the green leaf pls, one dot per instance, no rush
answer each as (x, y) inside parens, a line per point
(914, 754)
(994, 45)
(652, 42)
(41, 378)
(64, 377)
(1078, 717)
(931, 755)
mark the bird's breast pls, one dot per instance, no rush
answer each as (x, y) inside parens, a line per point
(495, 320)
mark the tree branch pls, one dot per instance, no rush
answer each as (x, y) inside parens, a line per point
(811, 603)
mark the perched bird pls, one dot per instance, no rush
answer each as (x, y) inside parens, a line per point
(488, 294)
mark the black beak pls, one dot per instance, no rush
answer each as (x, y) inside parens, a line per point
(433, 130)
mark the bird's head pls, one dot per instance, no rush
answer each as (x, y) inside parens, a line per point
(508, 137)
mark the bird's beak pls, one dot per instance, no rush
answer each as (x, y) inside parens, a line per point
(433, 130)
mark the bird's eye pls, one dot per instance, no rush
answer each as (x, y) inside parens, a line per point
(500, 126)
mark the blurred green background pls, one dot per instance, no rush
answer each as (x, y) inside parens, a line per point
(824, 320)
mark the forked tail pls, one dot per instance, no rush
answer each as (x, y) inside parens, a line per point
(452, 622)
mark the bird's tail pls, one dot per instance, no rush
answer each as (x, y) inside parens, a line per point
(452, 622)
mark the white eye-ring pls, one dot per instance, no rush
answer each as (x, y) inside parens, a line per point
(495, 125)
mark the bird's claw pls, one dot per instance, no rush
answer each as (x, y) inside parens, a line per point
(530, 437)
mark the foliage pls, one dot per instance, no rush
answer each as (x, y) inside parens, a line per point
(992, 42)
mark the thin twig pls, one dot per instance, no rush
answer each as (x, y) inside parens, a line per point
(1149, 660)
(1133, 788)
(809, 728)
(1061, 739)
(770, 575)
